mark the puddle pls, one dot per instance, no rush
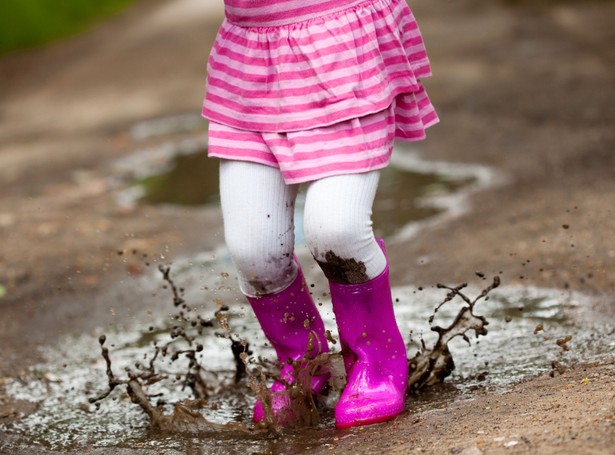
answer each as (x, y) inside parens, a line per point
(512, 350)
(191, 180)
(410, 189)
(530, 329)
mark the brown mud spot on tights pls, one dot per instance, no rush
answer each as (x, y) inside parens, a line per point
(344, 271)
(263, 287)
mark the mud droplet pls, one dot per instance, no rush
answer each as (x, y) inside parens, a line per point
(329, 337)
(563, 343)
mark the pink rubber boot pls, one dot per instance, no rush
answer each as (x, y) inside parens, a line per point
(373, 350)
(287, 319)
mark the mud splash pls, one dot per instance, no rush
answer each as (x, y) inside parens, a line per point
(428, 367)
(63, 418)
(431, 366)
(187, 416)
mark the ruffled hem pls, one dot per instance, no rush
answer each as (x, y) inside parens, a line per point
(324, 71)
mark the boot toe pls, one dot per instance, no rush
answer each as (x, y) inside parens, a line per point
(279, 400)
(367, 409)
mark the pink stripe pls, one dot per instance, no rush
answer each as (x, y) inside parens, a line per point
(292, 180)
(247, 155)
(261, 6)
(258, 4)
(337, 168)
(413, 123)
(244, 158)
(236, 135)
(286, 93)
(242, 152)
(431, 119)
(339, 153)
(265, 61)
(308, 37)
(309, 139)
(326, 119)
(221, 98)
(411, 136)
(274, 15)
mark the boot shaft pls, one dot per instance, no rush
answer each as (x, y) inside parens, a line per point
(288, 318)
(367, 327)
(374, 352)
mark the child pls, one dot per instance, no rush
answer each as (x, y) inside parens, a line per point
(315, 92)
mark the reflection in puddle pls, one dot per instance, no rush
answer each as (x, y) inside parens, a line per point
(74, 370)
(191, 180)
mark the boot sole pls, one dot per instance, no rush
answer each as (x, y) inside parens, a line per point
(367, 420)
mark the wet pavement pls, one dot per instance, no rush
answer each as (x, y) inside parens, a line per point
(521, 185)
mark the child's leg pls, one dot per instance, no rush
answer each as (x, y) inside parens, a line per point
(338, 230)
(258, 209)
(338, 227)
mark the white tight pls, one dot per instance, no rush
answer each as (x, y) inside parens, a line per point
(258, 209)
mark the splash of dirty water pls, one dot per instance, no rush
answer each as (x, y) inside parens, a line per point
(184, 343)
(185, 416)
(513, 349)
(431, 366)
(304, 408)
(508, 353)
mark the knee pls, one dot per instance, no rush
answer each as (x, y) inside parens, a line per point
(338, 247)
(264, 265)
(335, 227)
(329, 234)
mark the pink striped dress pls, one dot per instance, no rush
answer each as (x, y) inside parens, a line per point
(316, 87)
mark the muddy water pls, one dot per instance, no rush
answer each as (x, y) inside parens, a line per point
(530, 331)
(525, 325)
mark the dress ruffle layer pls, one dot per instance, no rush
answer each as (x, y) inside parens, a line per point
(322, 71)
